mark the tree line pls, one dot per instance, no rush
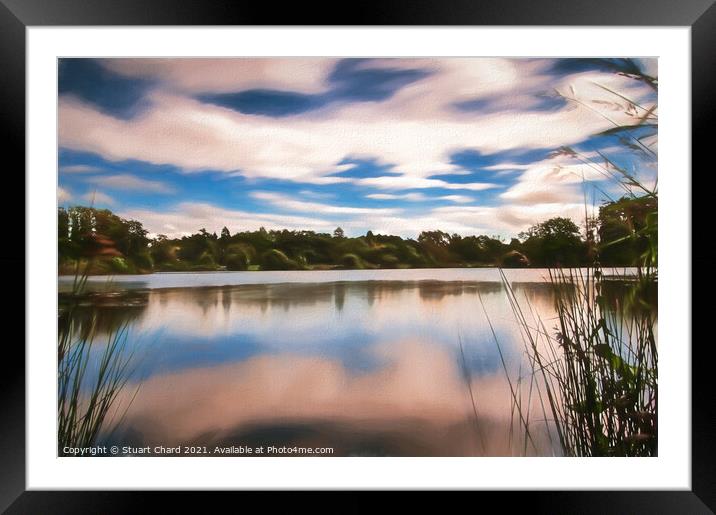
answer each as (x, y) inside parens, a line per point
(107, 243)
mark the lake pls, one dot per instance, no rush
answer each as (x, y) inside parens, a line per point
(364, 362)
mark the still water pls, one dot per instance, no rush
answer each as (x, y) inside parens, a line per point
(366, 363)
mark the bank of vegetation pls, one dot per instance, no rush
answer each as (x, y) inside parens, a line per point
(109, 244)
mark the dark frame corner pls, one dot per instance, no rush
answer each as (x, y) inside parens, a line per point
(700, 15)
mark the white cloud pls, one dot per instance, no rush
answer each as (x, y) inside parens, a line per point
(188, 217)
(97, 197)
(505, 220)
(552, 182)
(510, 219)
(457, 80)
(419, 197)
(132, 183)
(412, 197)
(80, 169)
(394, 182)
(415, 131)
(459, 199)
(507, 167)
(322, 181)
(63, 195)
(290, 204)
(316, 194)
(307, 75)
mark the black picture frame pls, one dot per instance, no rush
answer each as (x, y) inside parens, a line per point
(700, 15)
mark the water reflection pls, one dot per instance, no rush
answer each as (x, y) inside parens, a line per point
(103, 313)
(392, 367)
(414, 405)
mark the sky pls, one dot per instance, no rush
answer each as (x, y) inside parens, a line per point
(391, 145)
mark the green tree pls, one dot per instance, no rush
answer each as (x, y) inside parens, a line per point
(98, 235)
(627, 230)
(554, 242)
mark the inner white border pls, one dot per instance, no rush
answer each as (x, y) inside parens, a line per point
(671, 470)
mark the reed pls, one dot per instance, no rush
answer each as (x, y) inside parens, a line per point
(597, 365)
(87, 401)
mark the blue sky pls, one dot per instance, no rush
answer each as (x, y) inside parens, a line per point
(398, 146)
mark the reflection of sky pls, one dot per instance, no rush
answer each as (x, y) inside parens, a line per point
(418, 404)
(180, 329)
(399, 366)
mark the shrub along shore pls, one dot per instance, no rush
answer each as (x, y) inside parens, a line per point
(103, 243)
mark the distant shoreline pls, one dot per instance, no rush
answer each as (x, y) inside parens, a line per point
(338, 269)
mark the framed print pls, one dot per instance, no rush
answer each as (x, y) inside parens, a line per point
(417, 252)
